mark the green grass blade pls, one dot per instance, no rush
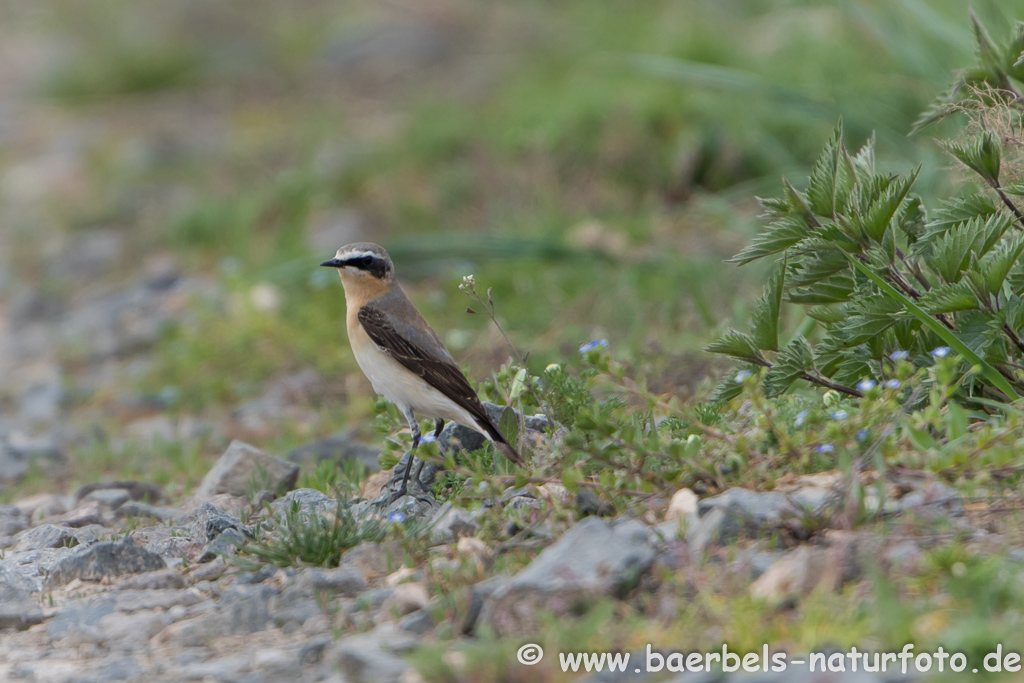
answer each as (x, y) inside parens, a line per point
(990, 373)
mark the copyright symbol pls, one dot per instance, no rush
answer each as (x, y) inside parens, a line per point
(530, 654)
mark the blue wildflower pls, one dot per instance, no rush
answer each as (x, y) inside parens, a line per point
(428, 438)
(801, 417)
(591, 345)
(396, 517)
(892, 384)
(826, 448)
(899, 355)
(866, 384)
(742, 375)
(862, 435)
(940, 352)
(840, 415)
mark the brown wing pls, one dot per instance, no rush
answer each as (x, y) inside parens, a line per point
(435, 367)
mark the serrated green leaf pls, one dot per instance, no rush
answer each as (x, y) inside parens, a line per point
(764, 328)
(945, 298)
(951, 340)
(882, 210)
(831, 178)
(726, 390)
(828, 314)
(981, 155)
(775, 238)
(790, 364)
(997, 264)
(738, 345)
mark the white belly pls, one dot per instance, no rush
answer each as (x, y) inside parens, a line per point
(406, 390)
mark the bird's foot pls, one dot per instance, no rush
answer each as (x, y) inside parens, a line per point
(399, 484)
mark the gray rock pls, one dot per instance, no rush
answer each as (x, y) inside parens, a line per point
(207, 523)
(369, 658)
(28, 569)
(17, 609)
(478, 595)
(932, 501)
(339, 448)
(227, 668)
(450, 522)
(161, 579)
(345, 581)
(46, 536)
(226, 543)
(455, 437)
(12, 519)
(19, 451)
(309, 501)
(371, 559)
(715, 527)
(78, 621)
(134, 508)
(134, 600)
(86, 514)
(116, 669)
(109, 499)
(134, 490)
(811, 498)
(243, 469)
(592, 558)
(418, 623)
(102, 560)
(312, 651)
(752, 508)
(589, 503)
(13, 464)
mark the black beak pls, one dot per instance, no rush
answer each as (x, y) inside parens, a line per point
(333, 263)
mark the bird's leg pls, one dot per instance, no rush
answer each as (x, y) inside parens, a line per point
(414, 427)
(438, 426)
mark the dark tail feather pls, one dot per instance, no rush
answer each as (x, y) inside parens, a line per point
(501, 443)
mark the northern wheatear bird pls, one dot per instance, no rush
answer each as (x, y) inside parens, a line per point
(401, 355)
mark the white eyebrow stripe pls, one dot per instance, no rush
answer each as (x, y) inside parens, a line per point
(359, 254)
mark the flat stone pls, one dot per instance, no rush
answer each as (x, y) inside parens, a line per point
(716, 527)
(207, 523)
(134, 508)
(101, 560)
(161, 579)
(369, 657)
(108, 499)
(77, 622)
(139, 600)
(752, 508)
(419, 622)
(346, 581)
(85, 514)
(243, 468)
(797, 573)
(307, 501)
(405, 599)
(450, 522)
(371, 559)
(46, 536)
(592, 558)
(17, 609)
(12, 520)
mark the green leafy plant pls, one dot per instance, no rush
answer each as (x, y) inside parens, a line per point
(885, 279)
(303, 538)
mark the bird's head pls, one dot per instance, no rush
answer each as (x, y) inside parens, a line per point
(363, 267)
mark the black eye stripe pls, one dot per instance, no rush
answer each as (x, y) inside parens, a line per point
(374, 265)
